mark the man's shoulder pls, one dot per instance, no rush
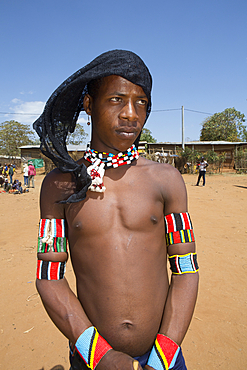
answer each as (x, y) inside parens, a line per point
(164, 177)
(56, 176)
(161, 168)
(59, 185)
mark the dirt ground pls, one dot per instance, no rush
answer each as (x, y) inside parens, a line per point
(217, 337)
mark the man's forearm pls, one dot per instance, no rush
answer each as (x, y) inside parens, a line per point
(179, 306)
(63, 307)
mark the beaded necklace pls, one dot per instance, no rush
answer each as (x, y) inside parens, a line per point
(102, 161)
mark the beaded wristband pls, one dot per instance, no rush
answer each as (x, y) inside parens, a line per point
(178, 228)
(163, 354)
(50, 270)
(184, 264)
(52, 236)
(91, 346)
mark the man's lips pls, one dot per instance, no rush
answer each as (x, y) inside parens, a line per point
(127, 133)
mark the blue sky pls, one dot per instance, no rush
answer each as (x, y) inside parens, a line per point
(195, 50)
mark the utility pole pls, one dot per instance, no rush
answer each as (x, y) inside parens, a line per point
(182, 127)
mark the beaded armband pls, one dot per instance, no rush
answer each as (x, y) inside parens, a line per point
(184, 264)
(178, 228)
(163, 354)
(91, 347)
(52, 236)
(50, 270)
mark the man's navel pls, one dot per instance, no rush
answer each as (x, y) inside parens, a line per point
(127, 325)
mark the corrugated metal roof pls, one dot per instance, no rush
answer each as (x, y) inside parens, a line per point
(74, 148)
(202, 142)
(29, 146)
(71, 148)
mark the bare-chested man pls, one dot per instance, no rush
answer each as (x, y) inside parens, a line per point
(126, 314)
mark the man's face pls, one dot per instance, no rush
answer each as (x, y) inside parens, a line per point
(118, 114)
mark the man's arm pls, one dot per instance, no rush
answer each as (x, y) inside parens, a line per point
(60, 302)
(183, 288)
(63, 307)
(179, 306)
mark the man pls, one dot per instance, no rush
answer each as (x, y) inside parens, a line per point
(31, 174)
(111, 207)
(202, 165)
(25, 174)
(11, 173)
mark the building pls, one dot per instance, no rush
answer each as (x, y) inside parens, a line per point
(167, 149)
(229, 148)
(33, 152)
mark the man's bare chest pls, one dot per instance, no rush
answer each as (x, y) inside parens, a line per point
(126, 204)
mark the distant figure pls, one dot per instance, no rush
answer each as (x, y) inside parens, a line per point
(11, 173)
(7, 185)
(19, 189)
(2, 180)
(31, 174)
(5, 169)
(202, 171)
(15, 184)
(25, 174)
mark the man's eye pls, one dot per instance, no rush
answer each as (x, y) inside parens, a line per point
(115, 98)
(142, 102)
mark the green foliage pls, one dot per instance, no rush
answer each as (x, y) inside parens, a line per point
(215, 160)
(225, 126)
(191, 156)
(188, 155)
(13, 135)
(146, 135)
(78, 136)
(211, 156)
(241, 160)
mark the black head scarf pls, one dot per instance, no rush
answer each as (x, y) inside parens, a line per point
(65, 104)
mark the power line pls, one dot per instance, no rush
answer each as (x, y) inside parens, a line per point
(24, 114)
(196, 111)
(153, 111)
(164, 110)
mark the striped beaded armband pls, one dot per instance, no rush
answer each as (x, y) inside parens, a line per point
(91, 347)
(50, 270)
(52, 236)
(178, 228)
(184, 264)
(163, 354)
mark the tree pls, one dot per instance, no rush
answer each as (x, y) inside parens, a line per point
(78, 136)
(13, 135)
(215, 160)
(188, 155)
(241, 160)
(146, 135)
(226, 126)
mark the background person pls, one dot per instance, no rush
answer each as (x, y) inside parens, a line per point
(11, 173)
(31, 174)
(25, 174)
(202, 165)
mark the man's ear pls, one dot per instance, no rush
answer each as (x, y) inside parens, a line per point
(87, 104)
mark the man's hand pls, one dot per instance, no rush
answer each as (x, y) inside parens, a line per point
(114, 360)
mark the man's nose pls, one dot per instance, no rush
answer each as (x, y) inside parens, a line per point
(129, 112)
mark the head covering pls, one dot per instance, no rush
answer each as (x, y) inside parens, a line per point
(65, 104)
